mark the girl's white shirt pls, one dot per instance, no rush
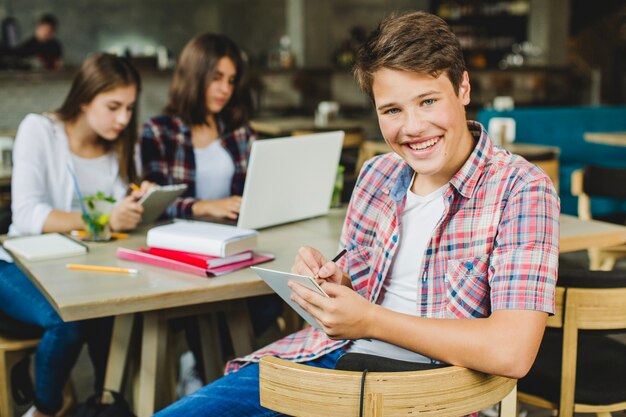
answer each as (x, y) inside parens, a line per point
(41, 180)
(215, 169)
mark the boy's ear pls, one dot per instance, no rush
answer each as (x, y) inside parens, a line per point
(464, 89)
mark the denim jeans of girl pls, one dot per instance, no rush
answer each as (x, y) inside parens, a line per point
(61, 342)
(234, 395)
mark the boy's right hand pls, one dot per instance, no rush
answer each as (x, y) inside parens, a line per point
(309, 261)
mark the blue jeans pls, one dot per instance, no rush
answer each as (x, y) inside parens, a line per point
(61, 342)
(234, 395)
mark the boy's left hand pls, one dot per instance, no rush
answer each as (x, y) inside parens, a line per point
(345, 315)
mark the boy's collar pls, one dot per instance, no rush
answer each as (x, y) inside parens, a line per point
(466, 179)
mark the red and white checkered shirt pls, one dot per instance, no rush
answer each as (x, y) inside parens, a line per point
(167, 157)
(495, 247)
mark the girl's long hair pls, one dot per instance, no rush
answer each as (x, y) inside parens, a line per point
(100, 73)
(193, 74)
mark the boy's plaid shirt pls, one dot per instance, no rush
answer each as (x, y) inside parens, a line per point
(496, 246)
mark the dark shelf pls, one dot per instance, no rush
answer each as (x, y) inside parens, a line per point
(486, 29)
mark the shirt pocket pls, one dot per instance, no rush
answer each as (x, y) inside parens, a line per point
(467, 288)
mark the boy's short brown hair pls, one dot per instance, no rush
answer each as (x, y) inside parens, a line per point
(415, 42)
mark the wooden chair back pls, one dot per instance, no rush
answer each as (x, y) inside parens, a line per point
(12, 351)
(302, 390)
(599, 182)
(582, 309)
(368, 150)
(18, 340)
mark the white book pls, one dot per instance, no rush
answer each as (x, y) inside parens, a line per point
(202, 237)
(46, 246)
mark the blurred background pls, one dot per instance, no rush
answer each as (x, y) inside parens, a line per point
(558, 52)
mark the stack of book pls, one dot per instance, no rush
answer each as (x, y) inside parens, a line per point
(199, 248)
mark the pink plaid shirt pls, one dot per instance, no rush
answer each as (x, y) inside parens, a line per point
(495, 247)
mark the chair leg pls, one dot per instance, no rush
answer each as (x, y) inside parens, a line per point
(608, 263)
(508, 405)
(600, 260)
(6, 402)
(605, 414)
(594, 259)
(8, 359)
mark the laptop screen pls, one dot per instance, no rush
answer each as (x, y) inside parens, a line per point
(290, 179)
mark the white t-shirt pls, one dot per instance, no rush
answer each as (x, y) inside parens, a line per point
(93, 175)
(399, 293)
(215, 169)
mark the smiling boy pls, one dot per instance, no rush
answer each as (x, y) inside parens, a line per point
(452, 243)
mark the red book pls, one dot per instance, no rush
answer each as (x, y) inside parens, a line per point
(196, 259)
(144, 257)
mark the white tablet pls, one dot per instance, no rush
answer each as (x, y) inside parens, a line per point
(278, 282)
(156, 200)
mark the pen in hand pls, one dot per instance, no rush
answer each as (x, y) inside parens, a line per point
(339, 255)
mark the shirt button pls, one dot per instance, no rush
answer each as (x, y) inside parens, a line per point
(394, 238)
(380, 275)
(469, 265)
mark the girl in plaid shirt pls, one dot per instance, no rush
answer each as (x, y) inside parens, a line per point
(203, 139)
(452, 243)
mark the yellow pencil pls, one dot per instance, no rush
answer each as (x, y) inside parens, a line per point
(100, 268)
(135, 187)
(114, 235)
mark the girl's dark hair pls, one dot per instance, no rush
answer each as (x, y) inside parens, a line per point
(98, 74)
(413, 42)
(194, 72)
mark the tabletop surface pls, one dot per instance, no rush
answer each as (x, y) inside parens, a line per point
(608, 138)
(286, 125)
(83, 294)
(579, 234)
(79, 295)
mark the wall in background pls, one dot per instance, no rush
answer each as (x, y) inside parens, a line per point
(256, 25)
(100, 25)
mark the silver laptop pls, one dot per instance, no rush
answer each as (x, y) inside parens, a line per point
(289, 179)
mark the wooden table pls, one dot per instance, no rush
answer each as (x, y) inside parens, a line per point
(159, 294)
(579, 234)
(609, 138)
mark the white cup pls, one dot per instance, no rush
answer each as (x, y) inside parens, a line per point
(326, 112)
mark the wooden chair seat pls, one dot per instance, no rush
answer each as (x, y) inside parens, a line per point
(302, 390)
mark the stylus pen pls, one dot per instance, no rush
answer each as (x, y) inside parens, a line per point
(340, 254)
